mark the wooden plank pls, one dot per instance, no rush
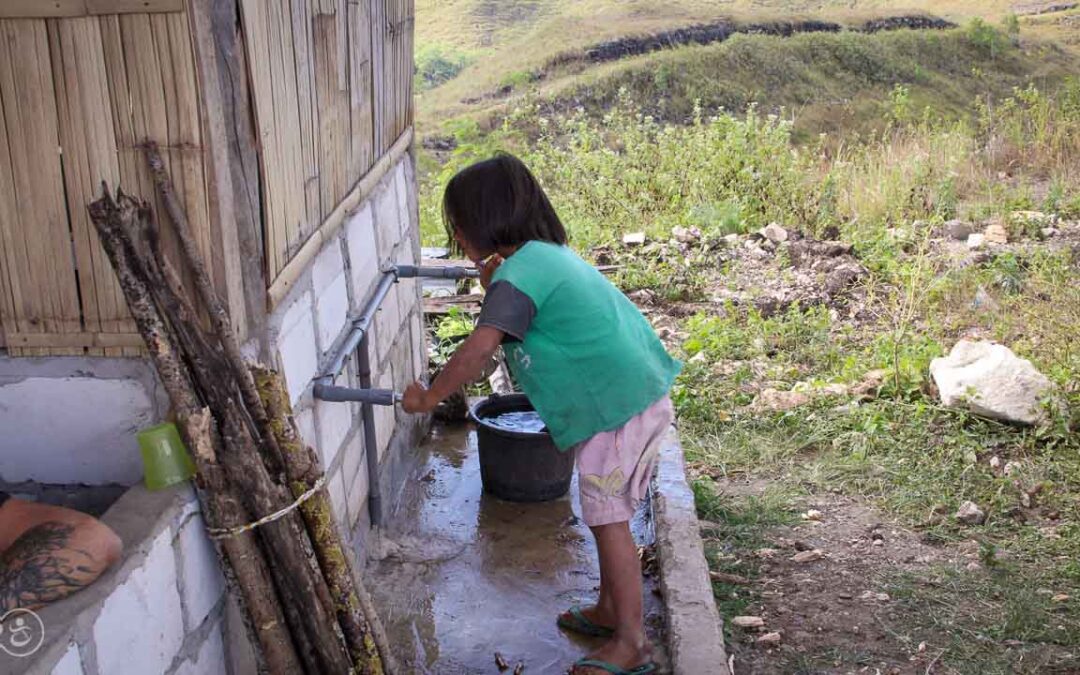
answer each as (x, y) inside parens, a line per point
(470, 304)
(333, 118)
(305, 92)
(227, 208)
(287, 122)
(46, 299)
(75, 342)
(77, 8)
(285, 280)
(378, 89)
(361, 147)
(8, 222)
(255, 35)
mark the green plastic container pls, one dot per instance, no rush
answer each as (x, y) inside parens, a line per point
(165, 459)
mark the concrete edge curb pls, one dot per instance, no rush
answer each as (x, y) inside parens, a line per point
(694, 629)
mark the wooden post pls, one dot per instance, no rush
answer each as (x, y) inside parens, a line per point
(220, 506)
(363, 631)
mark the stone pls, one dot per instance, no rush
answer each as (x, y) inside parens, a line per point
(201, 581)
(772, 400)
(140, 628)
(634, 238)
(808, 556)
(1060, 597)
(731, 240)
(976, 240)
(766, 553)
(770, 639)
(748, 622)
(990, 380)
(875, 597)
(1011, 468)
(958, 230)
(812, 514)
(1049, 232)
(996, 235)
(841, 277)
(685, 235)
(995, 463)
(969, 513)
(774, 233)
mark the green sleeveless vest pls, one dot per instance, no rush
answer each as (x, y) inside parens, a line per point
(589, 361)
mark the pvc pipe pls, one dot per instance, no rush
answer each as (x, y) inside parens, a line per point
(371, 447)
(373, 396)
(413, 271)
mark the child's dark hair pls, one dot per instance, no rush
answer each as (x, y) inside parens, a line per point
(498, 202)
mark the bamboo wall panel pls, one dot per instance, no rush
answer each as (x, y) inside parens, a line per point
(77, 98)
(332, 87)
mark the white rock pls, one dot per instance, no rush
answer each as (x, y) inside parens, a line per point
(1011, 468)
(774, 233)
(748, 622)
(770, 639)
(976, 240)
(996, 235)
(990, 380)
(634, 238)
(969, 513)
(808, 556)
(685, 235)
(812, 514)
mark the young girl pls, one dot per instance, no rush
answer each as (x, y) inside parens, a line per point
(590, 364)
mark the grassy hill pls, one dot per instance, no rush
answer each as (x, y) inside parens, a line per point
(482, 57)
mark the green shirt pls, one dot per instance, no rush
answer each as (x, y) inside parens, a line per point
(589, 361)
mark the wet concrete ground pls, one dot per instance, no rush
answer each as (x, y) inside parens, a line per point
(461, 575)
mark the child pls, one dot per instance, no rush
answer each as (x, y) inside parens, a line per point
(590, 364)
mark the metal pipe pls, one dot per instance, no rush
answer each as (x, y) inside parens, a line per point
(413, 271)
(359, 329)
(371, 447)
(373, 396)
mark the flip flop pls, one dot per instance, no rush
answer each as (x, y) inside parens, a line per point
(612, 668)
(579, 623)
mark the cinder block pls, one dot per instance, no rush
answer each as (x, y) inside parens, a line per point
(364, 271)
(356, 491)
(140, 627)
(413, 194)
(305, 423)
(332, 309)
(201, 581)
(328, 265)
(418, 338)
(211, 657)
(241, 652)
(384, 415)
(401, 187)
(387, 323)
(336, 487)
(353, 459)
(298, 352)
(387, 223)
(335, 421)
(70, 664)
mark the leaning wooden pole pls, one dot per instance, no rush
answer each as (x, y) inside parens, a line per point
(363, 631)
(305, 599)
(221, 509)
(219, 316)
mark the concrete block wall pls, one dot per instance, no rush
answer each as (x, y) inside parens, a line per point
(162, 609)
(95, 443)
(317, 314)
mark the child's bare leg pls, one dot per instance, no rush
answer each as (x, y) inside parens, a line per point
(620, 573)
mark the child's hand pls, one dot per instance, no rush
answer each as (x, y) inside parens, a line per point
(417, 399)
(488, 269)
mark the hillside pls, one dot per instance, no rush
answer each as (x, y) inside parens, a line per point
(498, 50)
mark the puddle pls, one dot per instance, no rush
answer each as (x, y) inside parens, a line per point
(461, 575)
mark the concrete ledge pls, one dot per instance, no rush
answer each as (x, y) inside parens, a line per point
(694, 628)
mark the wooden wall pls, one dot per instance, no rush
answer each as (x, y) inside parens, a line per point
(332, 87)
(84, 82)
(76, 96)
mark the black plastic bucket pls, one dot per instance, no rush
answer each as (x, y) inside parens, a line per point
(515, 465)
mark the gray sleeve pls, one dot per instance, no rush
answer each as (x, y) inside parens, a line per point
(508, 309)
